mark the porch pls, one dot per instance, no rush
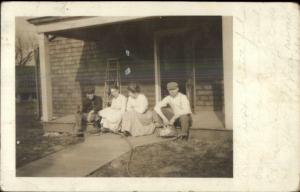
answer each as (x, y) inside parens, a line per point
(188, 50)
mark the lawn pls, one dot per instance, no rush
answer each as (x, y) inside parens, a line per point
(31, 144)
(207, 154)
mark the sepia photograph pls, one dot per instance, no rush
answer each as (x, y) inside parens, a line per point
(121, 97)
(150, 96)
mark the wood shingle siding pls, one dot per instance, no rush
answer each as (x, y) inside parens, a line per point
(78, 64)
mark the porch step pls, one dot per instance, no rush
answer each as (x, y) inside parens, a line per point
(201, 120)
(62, 124)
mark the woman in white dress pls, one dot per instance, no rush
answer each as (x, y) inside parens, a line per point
(112, 116)
(137, 120)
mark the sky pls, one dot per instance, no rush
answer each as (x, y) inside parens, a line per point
(25, 28)
(26, 31)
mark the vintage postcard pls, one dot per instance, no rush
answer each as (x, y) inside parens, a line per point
(150, 96)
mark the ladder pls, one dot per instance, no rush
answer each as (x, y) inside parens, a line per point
(112, 77)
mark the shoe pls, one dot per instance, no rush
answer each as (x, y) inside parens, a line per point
(158, 125)
(80, 134)
(97, 124)
(105, 130)
(126, 133)
(94, 131)
(183, 137)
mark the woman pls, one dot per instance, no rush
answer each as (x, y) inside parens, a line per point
(137, 120)
(112, 116)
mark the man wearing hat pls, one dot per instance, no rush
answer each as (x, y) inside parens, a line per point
(88, 113)
(174, 109)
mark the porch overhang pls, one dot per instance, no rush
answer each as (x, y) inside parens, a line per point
(56, 24)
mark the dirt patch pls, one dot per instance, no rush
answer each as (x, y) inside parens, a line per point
(195, 158)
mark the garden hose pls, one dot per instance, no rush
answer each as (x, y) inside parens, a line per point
(132, 151)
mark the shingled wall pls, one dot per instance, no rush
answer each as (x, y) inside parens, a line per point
(77, 65)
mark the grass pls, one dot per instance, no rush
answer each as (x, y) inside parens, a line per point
(31, 144)
(206, 155)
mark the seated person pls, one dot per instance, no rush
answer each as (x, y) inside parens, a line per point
(112, 116)
(88, 113)
(137, 120)
(174, 108)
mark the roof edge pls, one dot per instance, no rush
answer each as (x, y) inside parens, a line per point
(52, 19)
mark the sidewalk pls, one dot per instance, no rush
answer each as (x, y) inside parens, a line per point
(208, 120)
(81, 159)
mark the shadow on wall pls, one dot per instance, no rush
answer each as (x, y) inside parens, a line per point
(89, 71)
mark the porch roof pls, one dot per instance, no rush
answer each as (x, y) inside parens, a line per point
(55, 24)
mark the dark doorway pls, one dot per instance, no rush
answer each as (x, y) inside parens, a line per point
(176, 62)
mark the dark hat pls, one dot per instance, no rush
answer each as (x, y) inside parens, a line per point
(90, 90)
(172, 85)
(134, 88)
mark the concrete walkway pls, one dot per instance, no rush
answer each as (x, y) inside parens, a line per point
(81, 159)
(208, 120)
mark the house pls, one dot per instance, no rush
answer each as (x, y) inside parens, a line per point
(195, 51)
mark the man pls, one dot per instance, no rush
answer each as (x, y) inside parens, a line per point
(174, 109)
(88, 113)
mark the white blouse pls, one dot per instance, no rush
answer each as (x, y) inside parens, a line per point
(119, 103)
(139, 104)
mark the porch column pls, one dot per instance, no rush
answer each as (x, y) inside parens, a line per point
(157, 70)
(227, 36)
(45, 75)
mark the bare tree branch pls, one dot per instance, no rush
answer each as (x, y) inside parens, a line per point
(24, 48)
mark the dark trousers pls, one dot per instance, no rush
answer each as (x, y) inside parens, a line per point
(184, 121)
(82, 119)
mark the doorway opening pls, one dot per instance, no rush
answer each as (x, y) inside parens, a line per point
(176, 59)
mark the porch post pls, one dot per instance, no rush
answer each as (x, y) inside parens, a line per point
(45, 75)
(157, 70)
(227, 36)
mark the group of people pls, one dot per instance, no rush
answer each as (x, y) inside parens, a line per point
(132, 116)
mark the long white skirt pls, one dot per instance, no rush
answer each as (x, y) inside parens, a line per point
(138, 124)
(111, 118)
